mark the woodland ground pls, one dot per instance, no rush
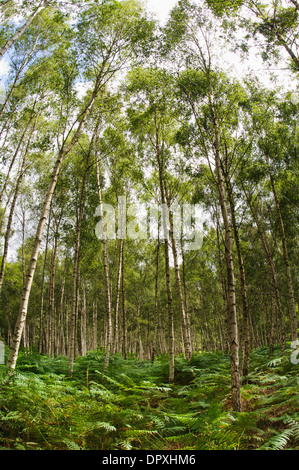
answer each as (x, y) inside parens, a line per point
(132, 406)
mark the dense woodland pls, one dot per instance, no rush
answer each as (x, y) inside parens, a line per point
(142, 341)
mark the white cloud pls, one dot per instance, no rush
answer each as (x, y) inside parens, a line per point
(81, 88)
(4, 68)
(161, 8)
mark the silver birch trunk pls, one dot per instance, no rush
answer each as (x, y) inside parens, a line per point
(116, 310)
(13, 355)
(83, 324)
(171, 346)
(242, 275)
(233, 325)
(13, 205)
(106, 274)
(291, 298)
(185, 331)
(19, 33)
(272, 269)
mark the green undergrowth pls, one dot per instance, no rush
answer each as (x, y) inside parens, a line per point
(131, 406)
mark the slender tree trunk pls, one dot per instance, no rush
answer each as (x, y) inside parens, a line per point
(116, 310)
(13, 205)
(106, 273)
(77, 312)
(273, 322)
(139, 339)
(73, 329)
(83, 324)
(267, 319)
(9, 226)
(170, 314)
(272, 269)
(188, 314)
(75, 280)
(95, 326)
(291, 298)
(13, 355)
(4, 8)
(233, 326)
(185, 331)
(61, 341)
(19, 33)
(124, 312)
(156, 322)
(13, 160)
(246, 338)
(167, 267)
(23, 241)
(42, 290)
(12, 88)
(3, 215)
(149, 345)
(52, 296)
(223, 286)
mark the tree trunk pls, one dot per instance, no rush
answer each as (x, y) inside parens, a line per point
(13, 205)
(246, 338)
(185, 331)
(124, 312)
(83, 324)
(223, 286)
(19, 33)
(9, 225)
(51, 311)
(75, 280)
(14, 159)
(60, 327)
(139, 339)
(156, 322)
(95, 326)
(233, 326)
(272, 269)
(12, 88)
(42, 291)
(106, 273)
(167, 267)
(170, 314)
(291, 297)
(188, 314)
(273, 322)
(13, 355)
(118, 285)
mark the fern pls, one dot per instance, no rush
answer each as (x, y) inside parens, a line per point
(132, 407)
(71, 445)
(102, 425)
(281, 441)
(111, 380)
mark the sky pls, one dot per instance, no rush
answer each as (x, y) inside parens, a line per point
(3, 68)
(231, 61)
(160, 7)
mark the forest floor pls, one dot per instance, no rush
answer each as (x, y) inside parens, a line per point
(131, 407)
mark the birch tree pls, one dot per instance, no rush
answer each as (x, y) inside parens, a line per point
(104, 51)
